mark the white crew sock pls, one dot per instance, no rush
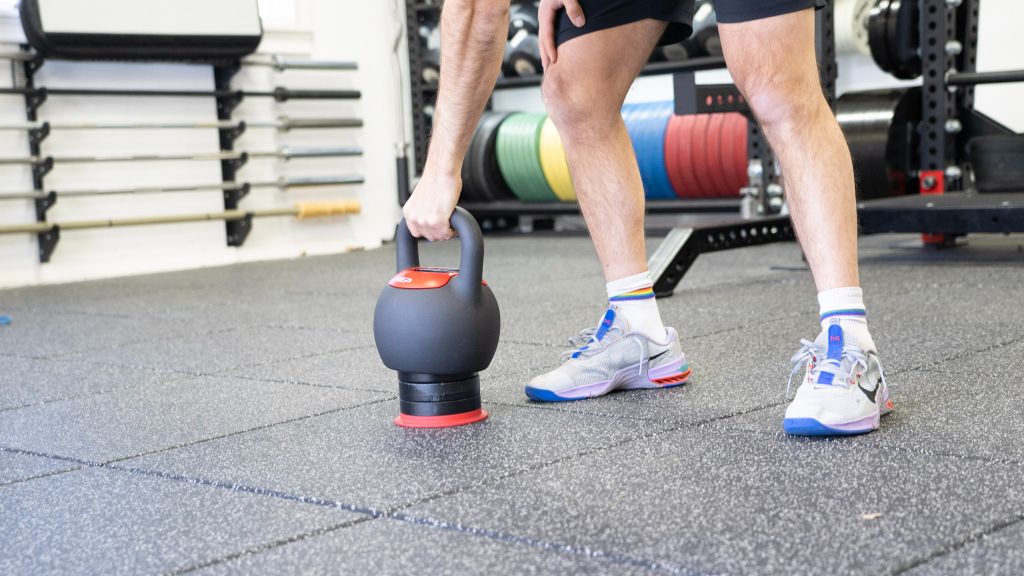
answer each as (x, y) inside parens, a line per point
(846, 306)
(633, 297)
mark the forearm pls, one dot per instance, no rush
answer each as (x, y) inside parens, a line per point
(473, 36)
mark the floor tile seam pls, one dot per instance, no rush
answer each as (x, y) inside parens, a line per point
(200, 481)
(950, 548)
(254, 429)
(266, 546)
(223, 371)
(67, 312)
(309, 384)
(963, 355)
(310, 355)
(159, 339)
(21, 356)
(306, 356)
(112, 462)
(39, 476)
(172, 377)
(553, 407)
(547, 545)
(848, 441)
(747, 326)
(673, 426)
(286, 326)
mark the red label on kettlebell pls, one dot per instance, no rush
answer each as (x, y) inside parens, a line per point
(423, 278)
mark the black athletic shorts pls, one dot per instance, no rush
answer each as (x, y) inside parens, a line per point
(601, 14)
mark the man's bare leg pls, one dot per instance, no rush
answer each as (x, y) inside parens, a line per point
(772, 62)
(584, 91)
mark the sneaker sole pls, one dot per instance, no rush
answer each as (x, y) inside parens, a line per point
(668, 376)
(811, 427)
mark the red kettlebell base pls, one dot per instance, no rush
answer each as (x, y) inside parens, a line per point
(407, 421)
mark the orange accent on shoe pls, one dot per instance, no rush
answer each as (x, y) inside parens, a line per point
(889, 404)
(674, 379)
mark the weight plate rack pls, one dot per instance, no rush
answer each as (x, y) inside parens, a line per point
(504, 214)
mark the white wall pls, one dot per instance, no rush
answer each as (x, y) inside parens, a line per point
(322, 29)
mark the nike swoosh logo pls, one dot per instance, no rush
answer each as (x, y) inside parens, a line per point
(871, 394)
(659, 355)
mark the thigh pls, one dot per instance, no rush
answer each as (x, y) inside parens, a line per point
(604, 63)
(775, 51)
(736, 11)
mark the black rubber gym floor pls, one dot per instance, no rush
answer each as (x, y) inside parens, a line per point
(237, 420)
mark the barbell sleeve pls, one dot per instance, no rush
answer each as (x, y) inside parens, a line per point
(281, 63)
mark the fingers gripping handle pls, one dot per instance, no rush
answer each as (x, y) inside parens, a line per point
(471, 261)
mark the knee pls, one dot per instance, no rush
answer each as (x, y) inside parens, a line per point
(781, 98)
(576, 106)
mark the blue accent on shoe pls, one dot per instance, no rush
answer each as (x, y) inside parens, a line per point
(835, 343)
(542, 395)
(811, 427)
(5, 320)
(847, 312)
(606, 324)
(825, 378)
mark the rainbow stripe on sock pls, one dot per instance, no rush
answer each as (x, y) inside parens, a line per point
(641, 294)
(848, 312)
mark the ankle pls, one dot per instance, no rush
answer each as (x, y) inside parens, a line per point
(633, 298)
(845, 306)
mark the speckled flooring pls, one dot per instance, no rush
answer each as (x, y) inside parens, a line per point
(238, 420)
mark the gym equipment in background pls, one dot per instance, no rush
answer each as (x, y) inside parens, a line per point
(438, 328)
(280, 94)
(997, 161)
(647, 124)
(851, 26)
(281, 184)
(706, 155)
(518, 151)
(522, 53)
(893, 37)
(880, 127)
(481, 176)
(554, 164)
(430, 35)
(300, 210)
(283, 124)
(281, 63)
(704, 41)
(284, 153)
(183, 30)
(25, 65)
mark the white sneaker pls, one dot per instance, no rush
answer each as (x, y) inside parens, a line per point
(843, 392)
(610, 357)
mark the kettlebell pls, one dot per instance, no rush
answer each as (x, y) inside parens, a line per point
(438, 328)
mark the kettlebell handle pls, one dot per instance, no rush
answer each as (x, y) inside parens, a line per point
(471, 242)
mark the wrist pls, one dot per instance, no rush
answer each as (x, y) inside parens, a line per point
(443, 169)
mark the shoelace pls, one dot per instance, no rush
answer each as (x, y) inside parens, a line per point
(809, 352)
(586, 344)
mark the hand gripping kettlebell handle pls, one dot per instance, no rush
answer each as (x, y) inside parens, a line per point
(471, 242)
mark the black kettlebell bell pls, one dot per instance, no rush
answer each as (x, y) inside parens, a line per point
(438, 328)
